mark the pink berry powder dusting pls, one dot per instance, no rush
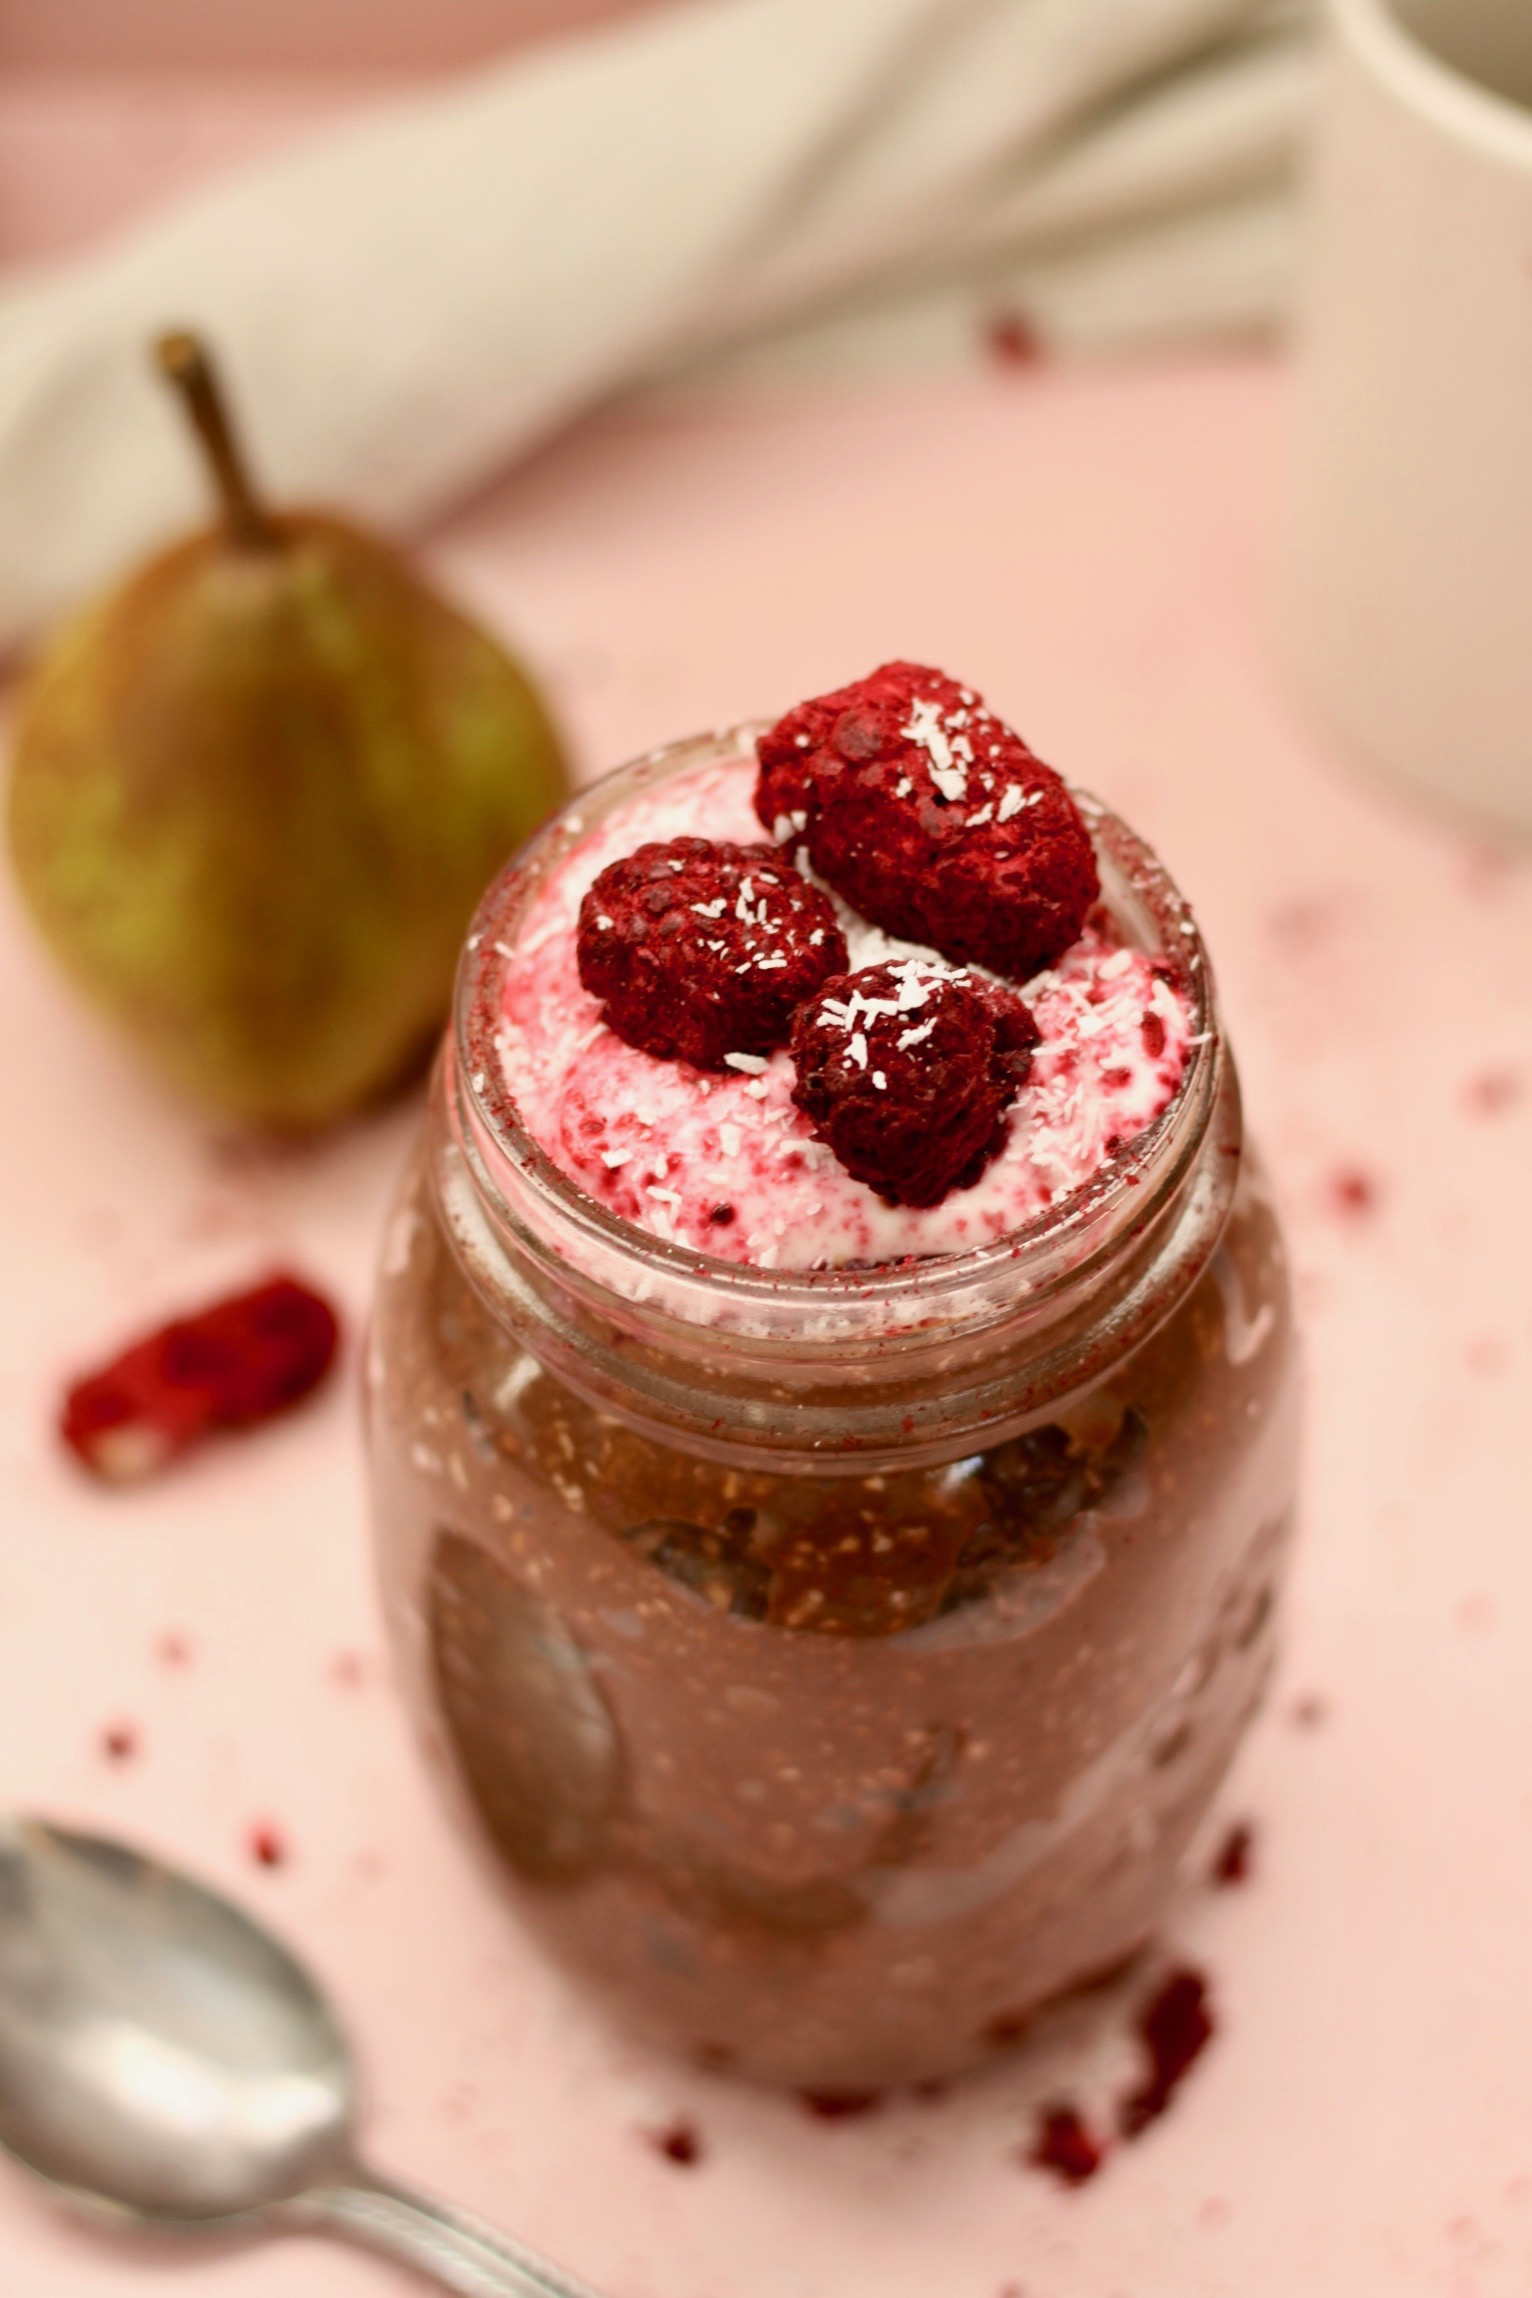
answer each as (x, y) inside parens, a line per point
(725, 1164)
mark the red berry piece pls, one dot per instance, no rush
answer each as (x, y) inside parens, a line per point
(1067, 2146)
(1175, 2028)
(932, 818)
(699, 951)
(680, 2142)
(238, 1362)
(907, 1072)
(839, 2106)
(267, 1844)
(1235, 1856)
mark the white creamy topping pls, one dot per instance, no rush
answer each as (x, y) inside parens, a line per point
(665, 1147)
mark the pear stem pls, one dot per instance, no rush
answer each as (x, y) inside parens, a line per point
(183, 359)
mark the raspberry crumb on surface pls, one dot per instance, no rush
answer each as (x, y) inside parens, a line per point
(1012, 341)
(839, 2106)
(1175, 2028)
(1353, 1193)
(237, 1362)
(1066, 2145)
(1493, 1091)
(679, 2142)
(1235, 1860)
(932, 818)
(267, 1844)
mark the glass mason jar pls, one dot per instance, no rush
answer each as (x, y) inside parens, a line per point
(832, 1666)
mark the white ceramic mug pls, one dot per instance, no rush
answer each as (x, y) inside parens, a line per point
(1406, 582)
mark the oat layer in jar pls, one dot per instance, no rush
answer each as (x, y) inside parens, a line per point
(831, 1663)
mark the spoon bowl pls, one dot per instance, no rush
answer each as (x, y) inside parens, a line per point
(166, 2063)
(158, 2053)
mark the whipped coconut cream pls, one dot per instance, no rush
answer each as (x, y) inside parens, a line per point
(726, 1165)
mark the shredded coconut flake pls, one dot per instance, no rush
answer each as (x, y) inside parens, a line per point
(926, 728)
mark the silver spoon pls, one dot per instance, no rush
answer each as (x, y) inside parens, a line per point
(165, 2064)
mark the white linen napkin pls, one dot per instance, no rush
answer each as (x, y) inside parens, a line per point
(409, 302)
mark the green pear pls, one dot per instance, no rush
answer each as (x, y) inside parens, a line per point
(257, 791)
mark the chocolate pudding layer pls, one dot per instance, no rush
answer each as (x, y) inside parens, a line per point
(831, 1655)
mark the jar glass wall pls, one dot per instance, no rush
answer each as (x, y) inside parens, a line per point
(834, 1666)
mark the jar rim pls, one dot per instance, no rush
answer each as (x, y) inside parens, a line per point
(526, 1185)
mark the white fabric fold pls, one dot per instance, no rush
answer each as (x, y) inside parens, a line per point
(409, 302)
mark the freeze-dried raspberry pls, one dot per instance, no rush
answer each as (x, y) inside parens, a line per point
(932, 818)
(1066, 2145)
(699, 951)
(907, 1072)
(1176, 2026)
(239, 1361)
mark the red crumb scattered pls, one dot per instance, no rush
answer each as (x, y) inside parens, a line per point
(267, 1844)
(1008, 2028)
(119, 1741)
(235, 1363)
(1310, 1711)
(907, 1074)
(701, 951)
(1235, 1858)
(679, 2142)
(1493, 1091)
(1300, 926)
(1012, 341)
(1175, 2028)
(1352, 1192)
(932, 818)
(839, 2106)
(173, 1649)
(1066, 2146)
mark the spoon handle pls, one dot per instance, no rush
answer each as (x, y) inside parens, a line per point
(453, 2248)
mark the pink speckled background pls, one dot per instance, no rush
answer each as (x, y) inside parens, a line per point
(1090, 550)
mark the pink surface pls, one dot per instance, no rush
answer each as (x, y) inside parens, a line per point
(83, 155)
(290, 35)
(1090, 552)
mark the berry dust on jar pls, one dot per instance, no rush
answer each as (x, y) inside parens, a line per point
(832, 1391)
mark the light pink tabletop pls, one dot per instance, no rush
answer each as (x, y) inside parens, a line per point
(1090, 552)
